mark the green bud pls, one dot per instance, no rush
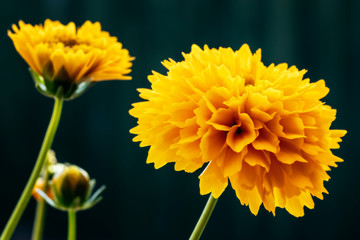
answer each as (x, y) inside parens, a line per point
(71, 187)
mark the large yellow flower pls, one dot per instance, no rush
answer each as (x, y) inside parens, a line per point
(263, 128)
(66, 56)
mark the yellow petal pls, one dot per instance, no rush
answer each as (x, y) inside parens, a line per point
(212, 143)
(230, 162)
(266, 141)
(222, 119)
(247, 177)
(289, 153)
(258, 157)
(212, 180)
(251, 198)
(293, 127)
(242, 134)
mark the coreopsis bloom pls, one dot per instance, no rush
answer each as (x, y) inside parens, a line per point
(62, 55)
(264, 129)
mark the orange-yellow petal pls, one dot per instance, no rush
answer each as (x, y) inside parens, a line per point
(241, 134)
(212, 180)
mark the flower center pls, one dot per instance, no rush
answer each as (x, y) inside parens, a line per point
(70, 43)
(249, 80)
(238, 131)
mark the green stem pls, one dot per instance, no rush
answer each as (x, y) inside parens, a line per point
(39, 222)
(26, 194)
(71, 225)
(204, 218)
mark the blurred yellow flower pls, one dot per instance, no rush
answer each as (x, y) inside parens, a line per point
(40, 185)
(263, 128)
(67, 56)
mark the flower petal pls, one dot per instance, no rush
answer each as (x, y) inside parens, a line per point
(241, 135)
(222, 119)
(212, 143)
(266, 141)
(212, 180)
(230, 162)
(289, 153)
(258, 157)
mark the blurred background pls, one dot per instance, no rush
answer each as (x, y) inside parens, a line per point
(143, 203)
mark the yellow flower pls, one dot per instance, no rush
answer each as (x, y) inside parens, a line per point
(61, 55)
(264, 129)
(40, 185)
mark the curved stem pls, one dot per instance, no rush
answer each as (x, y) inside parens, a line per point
(204, 218)
(39, 221)
(71, 225)
(26, 194)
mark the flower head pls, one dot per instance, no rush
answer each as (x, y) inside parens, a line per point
(62, 55)
(264, 129)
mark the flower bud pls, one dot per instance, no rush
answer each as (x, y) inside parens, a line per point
(71, 187)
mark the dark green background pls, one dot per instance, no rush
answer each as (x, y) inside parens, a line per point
(141, 202)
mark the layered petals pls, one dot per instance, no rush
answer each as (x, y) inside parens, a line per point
(68, 56)
(263, 129)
